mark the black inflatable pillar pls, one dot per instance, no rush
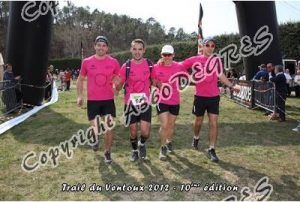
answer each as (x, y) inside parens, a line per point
(15, 44)
(252, 15)
(28, 46)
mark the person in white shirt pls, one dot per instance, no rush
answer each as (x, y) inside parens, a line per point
(1, 67)
(288, 80)
(297, 82)
(242, 77)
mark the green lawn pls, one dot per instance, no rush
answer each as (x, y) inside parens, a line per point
(249, 146)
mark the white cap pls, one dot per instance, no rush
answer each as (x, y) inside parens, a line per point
(167, 49)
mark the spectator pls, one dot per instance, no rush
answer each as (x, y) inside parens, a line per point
(73, 74)
(61, 77)
(56, 72)
(49, 80)
(262, 74)
(76, 74)
(11, 98)
(271, 70)
(9, 75)
(1, 67)
(288, 81)
(234, 74)
(297, 82)
(243, 76)
(228, 74)
(281, 92)
(68, 79)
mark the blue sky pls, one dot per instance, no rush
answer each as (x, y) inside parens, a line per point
(219, 15)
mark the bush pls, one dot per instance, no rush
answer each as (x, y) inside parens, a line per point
(183, 50)
(65, 63)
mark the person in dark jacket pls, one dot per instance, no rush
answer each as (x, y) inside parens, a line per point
(271, 70)
(11, 95)
(281, 91)
(262, 74)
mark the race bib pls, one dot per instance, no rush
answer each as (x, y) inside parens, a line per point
(138, 98)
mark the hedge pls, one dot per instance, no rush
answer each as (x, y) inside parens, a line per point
(182, 50)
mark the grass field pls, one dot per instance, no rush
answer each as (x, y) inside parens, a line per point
(249, 146)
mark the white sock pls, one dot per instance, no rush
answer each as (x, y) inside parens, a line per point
(211, 147)
(196, 137)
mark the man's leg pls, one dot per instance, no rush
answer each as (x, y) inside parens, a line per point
(93, 123)
(145, 134)
(133, 129)
(108, 109)
(145, 130)
(108, 140)
(213, 129)
(199, 109)
(197, 127)
(281, 106)
(212, 136)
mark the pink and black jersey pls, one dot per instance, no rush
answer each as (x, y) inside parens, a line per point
(164, 74)
(207, 87)
(99, 76)
(138, 80)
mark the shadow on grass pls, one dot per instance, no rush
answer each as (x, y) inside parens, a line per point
(46, 128)
(287, 190)
(114, 174)
(50, 128)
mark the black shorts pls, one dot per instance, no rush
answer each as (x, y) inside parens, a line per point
(100, 107)
(201, 104)
(173, 109)
(134, 115)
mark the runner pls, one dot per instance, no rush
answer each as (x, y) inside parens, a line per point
(167, 109)
(207, 96)
(135, 76)
(100, 70)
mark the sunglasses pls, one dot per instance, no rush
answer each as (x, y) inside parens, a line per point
(212, 45)
(167, 54)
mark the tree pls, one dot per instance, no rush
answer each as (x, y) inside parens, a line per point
(4, 14)
(181, 35)
(171, 34)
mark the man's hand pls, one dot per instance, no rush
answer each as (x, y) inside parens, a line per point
(116, 80)
(157, 83)
(116, 92)
(80, 101)
(236, 88)
(160, 61)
